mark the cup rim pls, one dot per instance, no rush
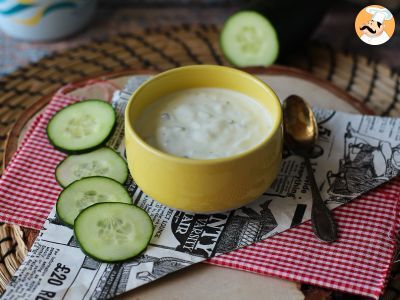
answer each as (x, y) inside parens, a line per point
(276, 124)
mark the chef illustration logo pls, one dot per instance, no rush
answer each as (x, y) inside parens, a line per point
(375, 25)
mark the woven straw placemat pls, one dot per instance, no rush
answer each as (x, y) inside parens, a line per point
(162, 48)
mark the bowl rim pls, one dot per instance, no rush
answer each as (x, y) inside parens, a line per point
(277, 121)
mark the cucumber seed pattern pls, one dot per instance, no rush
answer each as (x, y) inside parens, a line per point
(91, 197)
(81, 127)
(249, 40)
(115, 230)
(92, 168)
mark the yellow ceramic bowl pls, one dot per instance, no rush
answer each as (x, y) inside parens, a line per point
(203, 186)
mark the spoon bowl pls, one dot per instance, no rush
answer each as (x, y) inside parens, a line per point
(300, 126)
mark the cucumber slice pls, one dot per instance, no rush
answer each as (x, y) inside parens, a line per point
(249, 39)
(86, 192)
(101, 162)
(82, 126)
(113, 232)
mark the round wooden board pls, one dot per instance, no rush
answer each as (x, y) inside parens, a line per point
(14, 134)
(284, 81)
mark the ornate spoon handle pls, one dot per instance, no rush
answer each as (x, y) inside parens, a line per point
(321, 217)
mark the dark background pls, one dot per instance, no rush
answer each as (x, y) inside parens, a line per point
(336, 29)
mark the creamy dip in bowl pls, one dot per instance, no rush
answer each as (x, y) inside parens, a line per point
(204, 123)
(203, 138)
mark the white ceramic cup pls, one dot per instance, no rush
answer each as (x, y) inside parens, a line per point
(44, 20)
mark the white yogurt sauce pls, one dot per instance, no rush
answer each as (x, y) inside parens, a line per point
(204, 123)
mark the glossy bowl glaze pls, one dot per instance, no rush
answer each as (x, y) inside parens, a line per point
(204, 186)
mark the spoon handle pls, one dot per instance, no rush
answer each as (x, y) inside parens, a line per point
(321, 217)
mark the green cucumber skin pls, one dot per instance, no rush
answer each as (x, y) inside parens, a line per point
(72, 225)
(61, 185)
(224, 46)
(101, 144)
(62, 221)
(55, 174)
(113, 261)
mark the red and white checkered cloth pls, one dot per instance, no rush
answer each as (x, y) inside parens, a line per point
(357, 263)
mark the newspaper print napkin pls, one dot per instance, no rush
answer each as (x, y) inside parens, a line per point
(349, 162)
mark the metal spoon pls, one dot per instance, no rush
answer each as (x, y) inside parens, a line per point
(301, 132)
